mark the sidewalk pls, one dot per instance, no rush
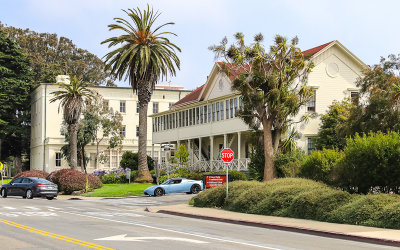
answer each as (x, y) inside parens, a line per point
(349, 232)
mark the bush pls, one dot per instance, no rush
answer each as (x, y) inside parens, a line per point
(306, 199)
(319, 164)
(288, 164)
(69, 180)
(130, 160)
(370, 162)
(32, 173)
(113, 176)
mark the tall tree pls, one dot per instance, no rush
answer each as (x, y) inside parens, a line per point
(330, 134)
(104, 124)
(72, 99)
(272, 84)
(378, 108)
(144, 56)
(52, 55)
(15, 87)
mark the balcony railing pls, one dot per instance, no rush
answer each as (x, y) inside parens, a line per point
(214, 165)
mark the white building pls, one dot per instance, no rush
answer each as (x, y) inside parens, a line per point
(205, 119)
(46, 139)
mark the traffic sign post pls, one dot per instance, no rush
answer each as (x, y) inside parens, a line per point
(1, 170)
(227, 156)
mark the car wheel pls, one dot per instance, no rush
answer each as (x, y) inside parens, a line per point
(49, 198)
(195, 189)
(29, 194)
(158, 192)
(3, 193)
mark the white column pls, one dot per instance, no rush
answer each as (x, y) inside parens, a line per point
(159, 154)
(152, 150)
(199, 148)
(239, 144)
(211, 148)
(225, 139)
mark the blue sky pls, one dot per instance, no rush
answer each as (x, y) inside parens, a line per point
(368, 28)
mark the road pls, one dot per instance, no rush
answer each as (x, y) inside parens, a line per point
(123, 224)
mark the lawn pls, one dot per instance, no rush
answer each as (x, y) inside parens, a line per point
(119, 190)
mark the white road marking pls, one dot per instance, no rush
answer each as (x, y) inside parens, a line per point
(33, 208)
(55, 208)
(123, 237)
(10, 208)
(16, 214)
(111, 214)
(174, 231)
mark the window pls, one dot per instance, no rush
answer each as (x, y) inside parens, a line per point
(222, 110)
(227, 109)
(155, 107)
(354, 95)
(209, 112)
(137, 107)
(205, 113)
(236, 106)
(187, 118)
(197, 115)
(310, 144)
(92, 160)
(170, 104)
(122, 132)
(190, 117)
(213, 112)
(137, 131)
(167, 121)
(201, 115)
(311, 103)
(217, 109)
(58, 159)
(231, 106)
(122, 107)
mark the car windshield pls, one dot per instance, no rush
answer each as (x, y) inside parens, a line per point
(167, 182)
(43, 181)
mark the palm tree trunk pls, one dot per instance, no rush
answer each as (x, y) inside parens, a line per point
(144, 95)
(269, 168)
(73, 131)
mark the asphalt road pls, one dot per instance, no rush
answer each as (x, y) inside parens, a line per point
(123, 224)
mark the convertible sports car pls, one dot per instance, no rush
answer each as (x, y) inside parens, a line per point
(175, 185)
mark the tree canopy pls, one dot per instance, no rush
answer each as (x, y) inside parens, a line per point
(15, 88)
(273, 85)
(52, 55)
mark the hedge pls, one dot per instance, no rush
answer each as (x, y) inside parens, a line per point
(304, 199)
(32, 173)
(69, 180)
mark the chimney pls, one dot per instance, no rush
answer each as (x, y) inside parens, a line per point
(62, 79)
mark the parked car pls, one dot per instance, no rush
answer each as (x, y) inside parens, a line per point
(175, 185)
(29, 187)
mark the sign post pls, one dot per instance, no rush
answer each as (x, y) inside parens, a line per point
(1, 170)
(227, 156)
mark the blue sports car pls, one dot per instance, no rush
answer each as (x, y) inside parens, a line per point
(175, 185)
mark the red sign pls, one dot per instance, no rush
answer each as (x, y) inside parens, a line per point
(215, 180)
(227, 155)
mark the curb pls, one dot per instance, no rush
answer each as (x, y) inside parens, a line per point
(290, 228)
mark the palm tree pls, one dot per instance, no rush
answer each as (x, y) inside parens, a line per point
(72, 99)
(144, 56)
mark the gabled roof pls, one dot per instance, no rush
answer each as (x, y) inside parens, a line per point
(195, 95)
(312, 51)
(192, 97)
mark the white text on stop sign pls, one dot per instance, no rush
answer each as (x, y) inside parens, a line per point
(227, 155)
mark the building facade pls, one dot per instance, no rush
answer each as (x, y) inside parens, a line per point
(46, 121)
(206, 122)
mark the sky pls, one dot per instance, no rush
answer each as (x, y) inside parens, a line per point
(368, 28)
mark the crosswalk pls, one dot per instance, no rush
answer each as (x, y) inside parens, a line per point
(52, 211)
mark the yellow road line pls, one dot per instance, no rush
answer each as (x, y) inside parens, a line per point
(57, 236)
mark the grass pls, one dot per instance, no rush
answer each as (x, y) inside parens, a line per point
(119, 190)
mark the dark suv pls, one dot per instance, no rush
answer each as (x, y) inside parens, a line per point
(29, 187)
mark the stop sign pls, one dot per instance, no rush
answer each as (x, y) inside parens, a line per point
(227, 155)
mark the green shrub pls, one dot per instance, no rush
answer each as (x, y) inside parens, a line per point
(307, 199)
(371, 161)
(288, 164)
(214, 197)
(319, 164)
(130, 160)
